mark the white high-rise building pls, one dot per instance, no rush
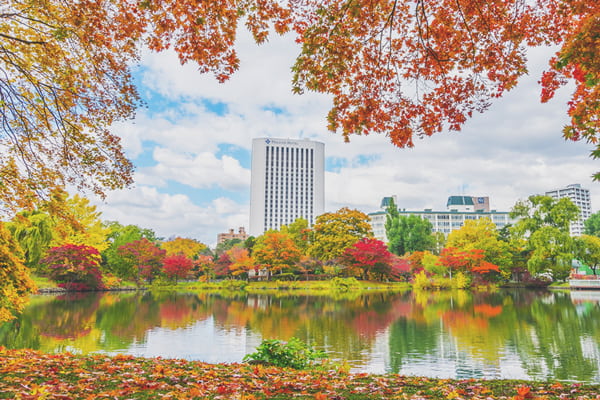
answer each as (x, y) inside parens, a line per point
(287, 182)
(581, 198)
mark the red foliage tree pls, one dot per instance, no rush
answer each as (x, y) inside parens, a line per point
(177, 267)
(368, 258)
(145, 259)
(470, 261)
(221, 266)
(74, 267)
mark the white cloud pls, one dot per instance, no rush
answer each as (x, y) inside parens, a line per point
(172, 214)
(200, 171)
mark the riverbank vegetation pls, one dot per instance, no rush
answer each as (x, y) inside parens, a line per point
(65, 244)
(31, 374)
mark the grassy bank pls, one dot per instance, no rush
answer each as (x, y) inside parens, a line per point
(28, 374)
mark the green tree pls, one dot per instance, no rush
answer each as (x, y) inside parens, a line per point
(119, 236)
(33, 231)
(591, 226)
(299, 232)
(334, 232)
(542, 232)
(587, 250)
(15, 283)
(407, 233)
(551, 252)
(392, 229)
(539, 211)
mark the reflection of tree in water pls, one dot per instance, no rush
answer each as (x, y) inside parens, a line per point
(70, 316)
(564, 344)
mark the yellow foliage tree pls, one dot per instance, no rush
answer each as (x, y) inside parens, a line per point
(15, 283)
(190, 248)
(334, 232)
(79, 223)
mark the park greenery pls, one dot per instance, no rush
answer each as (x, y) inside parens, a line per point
(66, 241)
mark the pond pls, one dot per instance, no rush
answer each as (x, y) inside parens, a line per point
(508, 334)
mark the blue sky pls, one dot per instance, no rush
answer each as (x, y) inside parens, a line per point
(191, 147)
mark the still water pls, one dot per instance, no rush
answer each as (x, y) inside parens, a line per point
(508, 334)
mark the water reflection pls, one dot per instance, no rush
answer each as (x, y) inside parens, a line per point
(507, 334)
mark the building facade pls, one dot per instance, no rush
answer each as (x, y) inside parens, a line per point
(581, 198)
(287, 182)
(459, 210)
(241, 234)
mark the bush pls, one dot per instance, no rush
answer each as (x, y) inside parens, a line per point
(286, 276)
(232, 284)
(344, 283)
(292, 354)
(461, 281)
(421, 281)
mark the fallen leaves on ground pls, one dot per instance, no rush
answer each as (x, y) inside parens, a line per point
(28, 374)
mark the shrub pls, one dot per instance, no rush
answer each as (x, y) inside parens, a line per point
(292, 354)
(421, 281)
(232, 284)
(344, 283)
(461, 281)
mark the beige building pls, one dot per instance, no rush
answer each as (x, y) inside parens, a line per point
(242, 235)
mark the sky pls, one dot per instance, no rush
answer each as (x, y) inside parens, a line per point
(191, 146)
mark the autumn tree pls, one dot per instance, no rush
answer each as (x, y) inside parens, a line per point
(80, 223)
(177, 266)
(190, 248)
(299, 232)
(335, 231)
(66, 79)
(276, 251)
(121, 235)
(470, 261)
(74, 267)
(241, 261)
(483, 235)
(402, 69)
(367, 258)
(143, 260)
(15, 283)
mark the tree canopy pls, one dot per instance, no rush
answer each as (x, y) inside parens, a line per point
(398, 68)
(333, 232)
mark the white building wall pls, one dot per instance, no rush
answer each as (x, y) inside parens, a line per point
(441, 221)
(287, 182)
(581, 198)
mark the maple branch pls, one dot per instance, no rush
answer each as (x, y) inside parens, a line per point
(21, 40)
(468, 28)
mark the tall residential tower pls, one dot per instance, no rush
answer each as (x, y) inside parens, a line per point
(287, 182)
(581, 198)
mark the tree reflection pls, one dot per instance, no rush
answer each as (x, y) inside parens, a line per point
(546, 335)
